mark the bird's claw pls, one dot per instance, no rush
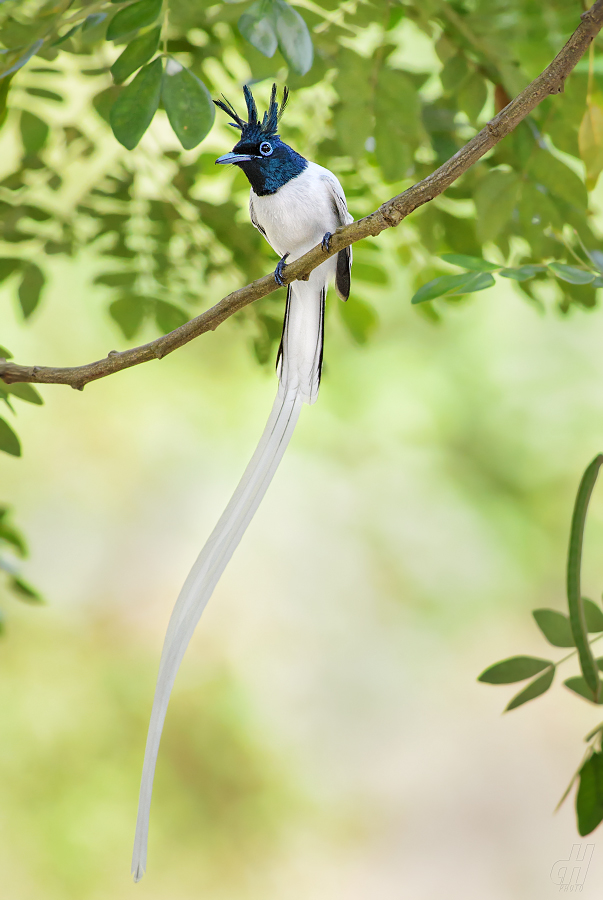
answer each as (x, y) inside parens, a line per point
(280, 268)
(326, 242)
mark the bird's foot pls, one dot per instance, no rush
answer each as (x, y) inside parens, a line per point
(326, 242)
(280, 268)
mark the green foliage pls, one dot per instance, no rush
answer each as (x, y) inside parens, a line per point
(516, 668)
(187, 103)
(537, 687)
(137, 53)
(136, 105)
(578, 685)
(257, 27)
(138, 15)
(174, 232)
(585, 617)
(268, 24)
(30, 288)
(555, 626)
(589, 799)
(453, 286)
(12, 544)
(576, 604)
(9, 442)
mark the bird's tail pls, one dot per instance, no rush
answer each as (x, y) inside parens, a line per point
(300, 359)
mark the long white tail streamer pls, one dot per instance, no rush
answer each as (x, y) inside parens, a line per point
(299, 375)
(200, 584)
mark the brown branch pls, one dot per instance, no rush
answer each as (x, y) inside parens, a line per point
(390, 214)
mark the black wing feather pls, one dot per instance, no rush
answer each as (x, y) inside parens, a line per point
(342, 274)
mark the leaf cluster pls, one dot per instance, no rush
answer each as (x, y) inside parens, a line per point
(171, 231)
(12, 547)
(568, 630)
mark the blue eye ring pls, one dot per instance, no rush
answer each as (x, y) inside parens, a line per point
(266, 148)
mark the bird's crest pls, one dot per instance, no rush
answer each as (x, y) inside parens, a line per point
(253, 130)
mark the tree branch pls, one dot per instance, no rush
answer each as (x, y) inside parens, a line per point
(390, 214)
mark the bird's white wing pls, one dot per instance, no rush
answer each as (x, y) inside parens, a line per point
(344, 257)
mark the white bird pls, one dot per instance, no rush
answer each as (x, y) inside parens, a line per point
(295, 204)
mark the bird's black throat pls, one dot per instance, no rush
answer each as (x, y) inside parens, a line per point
(267, 174)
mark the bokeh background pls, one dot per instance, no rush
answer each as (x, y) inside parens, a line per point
(326, 737)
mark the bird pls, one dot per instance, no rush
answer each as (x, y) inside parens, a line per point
(295, 204)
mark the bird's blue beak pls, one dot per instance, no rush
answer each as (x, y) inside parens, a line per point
(233, 158)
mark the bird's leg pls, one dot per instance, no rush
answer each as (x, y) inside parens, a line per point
(280, 267)
(326, 242)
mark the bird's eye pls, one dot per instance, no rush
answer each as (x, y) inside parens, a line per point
(265, 148)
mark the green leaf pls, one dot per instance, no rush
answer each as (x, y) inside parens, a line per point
(454, 73)
(24, 591)
(495, 199)
(25, 391)
(472, 96)
(589, 798)
(34, 132)
(168, 316)
(140, 14)
(352, 116)
(8, 265)
(116, 279)
(129, 313)
(440, 286)
(136, 105)
(559, 180)
(398, 127)
(294, 39)
(23, 58)
(477, 281)
(13, 537)
(571, 274)
(597, 258)
(516, 668)
(555, 626)
(593, 616)
(521, 273)
(4, 395)
(9, 442)
(257, 26)
(104, 101)
(359, 317)
(537, 687)
(474, 263)
(4, 353)
(136, 54)
(30, 288)
(93, 20)
(187, 103)
(65, 37)
(44, 94)
(579, 686)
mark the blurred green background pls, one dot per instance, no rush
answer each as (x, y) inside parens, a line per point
(326, 737)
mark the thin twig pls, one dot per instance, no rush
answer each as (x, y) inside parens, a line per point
(390, 214)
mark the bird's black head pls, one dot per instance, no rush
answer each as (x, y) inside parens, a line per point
(267, 161)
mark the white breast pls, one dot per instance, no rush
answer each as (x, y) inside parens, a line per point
(297, 216)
